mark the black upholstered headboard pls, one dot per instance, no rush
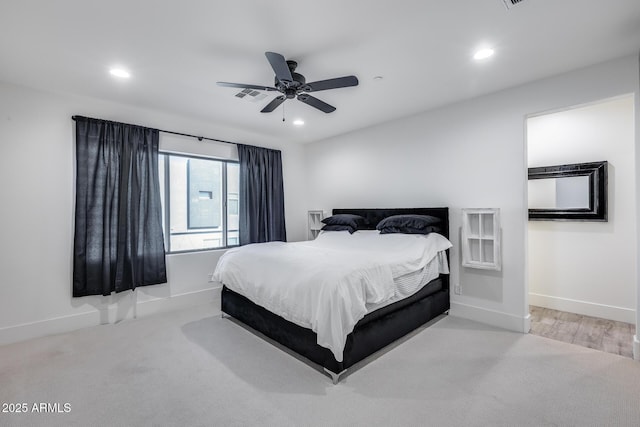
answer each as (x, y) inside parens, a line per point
(374, 216)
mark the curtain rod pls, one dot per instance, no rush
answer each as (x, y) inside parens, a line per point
(199, 138)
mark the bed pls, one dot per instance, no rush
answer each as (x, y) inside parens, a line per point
(372, 332)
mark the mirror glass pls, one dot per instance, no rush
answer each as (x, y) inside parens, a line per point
(570, 192)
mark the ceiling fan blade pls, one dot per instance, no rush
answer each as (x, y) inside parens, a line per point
(273, 104)
(245, 86)
(316, 103)
(336, 83)
(279, 66)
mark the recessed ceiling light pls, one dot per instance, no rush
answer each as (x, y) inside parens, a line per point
(298, 122)
(378, 78)
(483, 53)
(120, 72)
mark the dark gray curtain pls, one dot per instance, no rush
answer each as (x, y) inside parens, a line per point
(261, 195)
(118, 241)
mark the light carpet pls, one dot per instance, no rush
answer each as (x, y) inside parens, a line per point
(194, 368)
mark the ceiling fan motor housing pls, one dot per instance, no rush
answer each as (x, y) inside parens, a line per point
(296, 85)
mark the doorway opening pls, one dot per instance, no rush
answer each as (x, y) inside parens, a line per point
(582, 274)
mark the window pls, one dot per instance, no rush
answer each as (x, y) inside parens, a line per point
(199, 202)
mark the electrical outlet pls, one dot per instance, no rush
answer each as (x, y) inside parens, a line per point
(456, 289)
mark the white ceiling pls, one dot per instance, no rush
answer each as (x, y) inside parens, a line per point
(177, 50)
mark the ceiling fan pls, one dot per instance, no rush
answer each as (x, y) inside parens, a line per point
(293, 85)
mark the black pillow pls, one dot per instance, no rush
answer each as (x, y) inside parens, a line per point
(353, 221)
(409, 224)
(338, 227)
(409, 230)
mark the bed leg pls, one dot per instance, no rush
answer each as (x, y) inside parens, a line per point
(334, 377)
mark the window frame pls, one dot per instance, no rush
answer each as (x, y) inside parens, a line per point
(492, 236)
(166, 208)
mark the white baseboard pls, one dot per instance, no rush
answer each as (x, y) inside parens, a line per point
(636, 348)
(491, 317)
(586, 308)
(109, 314)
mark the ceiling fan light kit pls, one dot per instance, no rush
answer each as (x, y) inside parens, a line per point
(293, 85)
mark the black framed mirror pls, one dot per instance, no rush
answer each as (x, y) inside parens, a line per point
(576, 192)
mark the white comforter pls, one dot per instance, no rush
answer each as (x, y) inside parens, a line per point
(326, 283)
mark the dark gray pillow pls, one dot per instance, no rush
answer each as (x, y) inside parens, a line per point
(353, 221)
(338, 227)
(409, 230)
(409, 224)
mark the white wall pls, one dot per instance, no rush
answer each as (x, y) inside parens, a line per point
(636, 337)
(587, 267)
(470, 154)
(37, 201)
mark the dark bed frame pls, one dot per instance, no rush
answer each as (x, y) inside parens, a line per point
(373, 332)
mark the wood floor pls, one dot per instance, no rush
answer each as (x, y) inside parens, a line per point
(600, 334)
